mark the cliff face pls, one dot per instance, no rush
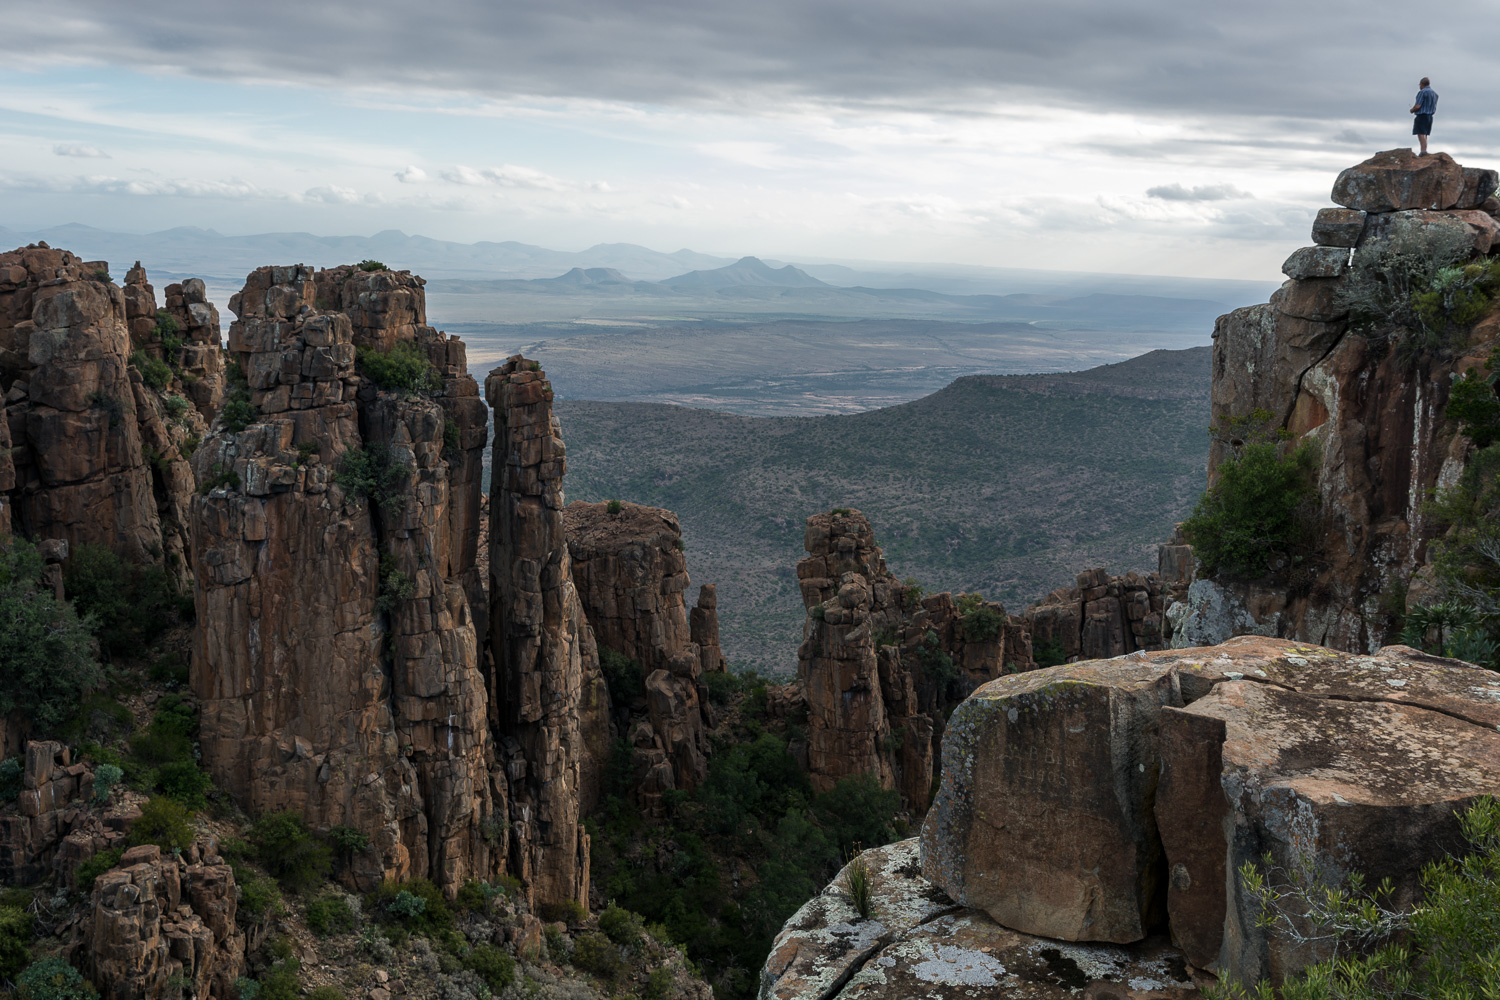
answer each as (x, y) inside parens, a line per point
(632, 577)
(878, 668)
(1100, 617)
(546, 675)
(1376, 418)
(336, 655)
(71, 404)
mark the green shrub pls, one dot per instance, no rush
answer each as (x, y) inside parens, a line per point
(1446, 948)
(621, 926)
(166, 323)
(371, 265)
(157, 374)
(53, 979)
(46, 652)
(370, 473)
(169, 669)
(176, 406)
(260, 900)
(660, 985)
(106, 777)
(623, 675)
(569, 911)
(329, 915)
(857, 811)
(492, 964)
(281, 981)
(286, 848)
(937, 666)
(220, 477)
(16, 927)
(722, 687)
(185, 782)
(326, 992)
(405, 368)
(613, 507)
(92, 868)
(452, 440)
(1259, 516)
(165, 823)
(132, 604)
(819, 613)
(1049, 653)
(857, 884)
(12, 771)
(348, 841)
(593, 952)
(395, 586)
(416, 903)
(238, 413)
(978, 622)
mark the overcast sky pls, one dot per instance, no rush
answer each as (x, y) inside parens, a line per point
(1193, 138)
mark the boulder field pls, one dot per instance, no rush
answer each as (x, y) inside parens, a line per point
(1100, 810)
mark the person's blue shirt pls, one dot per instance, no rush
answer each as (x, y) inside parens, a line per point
(1426, 101)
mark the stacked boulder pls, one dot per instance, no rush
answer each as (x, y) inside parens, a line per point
(337, 655)
(51, 804)
(1382, 434)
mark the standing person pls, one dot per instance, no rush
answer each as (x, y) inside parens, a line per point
(1424, 109)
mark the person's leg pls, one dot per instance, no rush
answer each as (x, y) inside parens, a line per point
(1422, 138)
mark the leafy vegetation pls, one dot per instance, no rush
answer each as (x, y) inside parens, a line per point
(754, 817)
(978, 622)
(395, 586)
(89, 870)
(371, 265)
(131, 604)
(287, 849)
(156, 373)
(405, 368)
(47, 661)
(857, 884)
(53, 979)
(624, 676)
(1446, 948)
(220, 477)
(165, 823)
(16, 926)
(330, 914)
(1259, 517)
(371, 473)
(238, 412)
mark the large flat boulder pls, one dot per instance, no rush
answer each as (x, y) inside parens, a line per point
(1043, 819)
(1342, 762)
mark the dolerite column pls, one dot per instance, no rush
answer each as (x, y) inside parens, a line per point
(540, 641)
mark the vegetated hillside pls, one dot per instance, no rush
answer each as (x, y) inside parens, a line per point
(1004, 484)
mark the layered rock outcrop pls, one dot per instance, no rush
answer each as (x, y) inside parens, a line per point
(631, 574)
(73, 406)
(155, 918)
(1082, 801)
(1101, 616)
(1377, 420)
(548, 699)
(52, 802)
(878, 666)
(337, 656)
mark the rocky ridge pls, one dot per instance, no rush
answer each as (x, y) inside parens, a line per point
(1383, 439)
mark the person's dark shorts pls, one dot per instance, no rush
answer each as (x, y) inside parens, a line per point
(1422, 125)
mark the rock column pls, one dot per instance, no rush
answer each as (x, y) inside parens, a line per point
(542, 647)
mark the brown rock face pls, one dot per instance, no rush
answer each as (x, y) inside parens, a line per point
(703, 628)
(1077, 800)
(72, 406)
(50, 808)
(1399, 179)
(849, 595)
(1049, 828)
(1382, 433)
(544, 652)
(631, 576)
(154, 918)
(336, 657)
(1343, 763)
(1103, 615)
(877, 669)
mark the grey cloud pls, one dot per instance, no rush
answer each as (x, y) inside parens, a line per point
(79, 149)
(1207, 192)
(1350, 136)
(1277, 58)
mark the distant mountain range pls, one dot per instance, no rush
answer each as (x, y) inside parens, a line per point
(184, 251)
